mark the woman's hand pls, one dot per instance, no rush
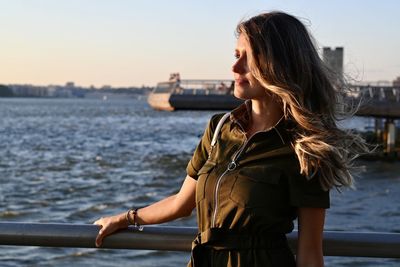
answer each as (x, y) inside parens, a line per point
(109, 225)
(165, 210)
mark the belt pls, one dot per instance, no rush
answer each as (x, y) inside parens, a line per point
(221, 239)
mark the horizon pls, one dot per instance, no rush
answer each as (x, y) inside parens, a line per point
(133, 44)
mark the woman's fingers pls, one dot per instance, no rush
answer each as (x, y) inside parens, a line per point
(99, 237)
(99, 221)
(107, 225)
(102, 231)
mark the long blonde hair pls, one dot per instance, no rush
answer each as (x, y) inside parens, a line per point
(286, 62)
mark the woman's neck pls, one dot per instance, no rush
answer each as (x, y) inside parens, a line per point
(264, 115)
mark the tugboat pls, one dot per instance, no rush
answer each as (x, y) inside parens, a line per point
(177, 94)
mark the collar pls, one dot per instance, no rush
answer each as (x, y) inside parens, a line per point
(241, 117)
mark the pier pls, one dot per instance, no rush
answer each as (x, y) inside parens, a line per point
(382, 103)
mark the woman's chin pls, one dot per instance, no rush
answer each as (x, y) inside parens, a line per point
(239, 94)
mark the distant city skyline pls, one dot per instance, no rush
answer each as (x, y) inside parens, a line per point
(133, 43)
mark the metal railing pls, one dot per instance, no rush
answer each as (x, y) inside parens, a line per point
(352, 244)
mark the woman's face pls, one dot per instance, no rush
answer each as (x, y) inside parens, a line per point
(246, 86)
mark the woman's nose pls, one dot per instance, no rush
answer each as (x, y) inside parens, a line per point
(236, 67)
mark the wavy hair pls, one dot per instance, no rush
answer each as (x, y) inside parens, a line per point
(286, 62)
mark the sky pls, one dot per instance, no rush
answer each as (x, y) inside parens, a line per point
(125, 43)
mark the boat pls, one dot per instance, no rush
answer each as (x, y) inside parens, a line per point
(177, 94)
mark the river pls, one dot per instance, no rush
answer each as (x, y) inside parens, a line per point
(75, 160)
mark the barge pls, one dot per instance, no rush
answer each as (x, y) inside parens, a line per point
(177, 94)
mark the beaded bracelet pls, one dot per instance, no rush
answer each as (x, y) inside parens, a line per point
(128, 217)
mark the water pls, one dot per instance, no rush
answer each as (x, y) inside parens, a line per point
(75, 160)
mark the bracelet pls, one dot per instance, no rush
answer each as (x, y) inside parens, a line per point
(128, 217)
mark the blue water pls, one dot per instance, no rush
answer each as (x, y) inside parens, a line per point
(75, 160)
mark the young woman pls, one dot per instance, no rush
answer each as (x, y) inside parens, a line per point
(275, 159)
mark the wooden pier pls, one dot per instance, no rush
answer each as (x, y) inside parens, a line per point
(382, 103)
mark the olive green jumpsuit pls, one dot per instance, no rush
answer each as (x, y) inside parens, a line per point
(247, 194)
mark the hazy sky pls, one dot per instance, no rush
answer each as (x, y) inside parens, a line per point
(134, 43)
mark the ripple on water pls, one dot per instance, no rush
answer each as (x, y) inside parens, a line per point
(7, 214)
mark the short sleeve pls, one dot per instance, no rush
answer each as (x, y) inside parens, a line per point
(305, 192)
(200, 154)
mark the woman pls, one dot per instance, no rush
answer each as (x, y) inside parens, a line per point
(275, 159)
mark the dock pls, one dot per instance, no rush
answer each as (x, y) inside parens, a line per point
(383, 104)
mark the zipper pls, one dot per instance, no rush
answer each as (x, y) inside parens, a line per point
(216, 197)
(231, 166)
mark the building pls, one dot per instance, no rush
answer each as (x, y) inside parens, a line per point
(334, 59)
(396, 83)
(27, 90)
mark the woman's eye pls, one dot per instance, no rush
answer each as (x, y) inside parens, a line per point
(237, 56)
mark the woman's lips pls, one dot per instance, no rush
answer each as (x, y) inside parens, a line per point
(241, 81)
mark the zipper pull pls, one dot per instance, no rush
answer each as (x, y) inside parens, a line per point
(231, 166)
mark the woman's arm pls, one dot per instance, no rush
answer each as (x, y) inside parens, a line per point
(167, 209)
(309, 247)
